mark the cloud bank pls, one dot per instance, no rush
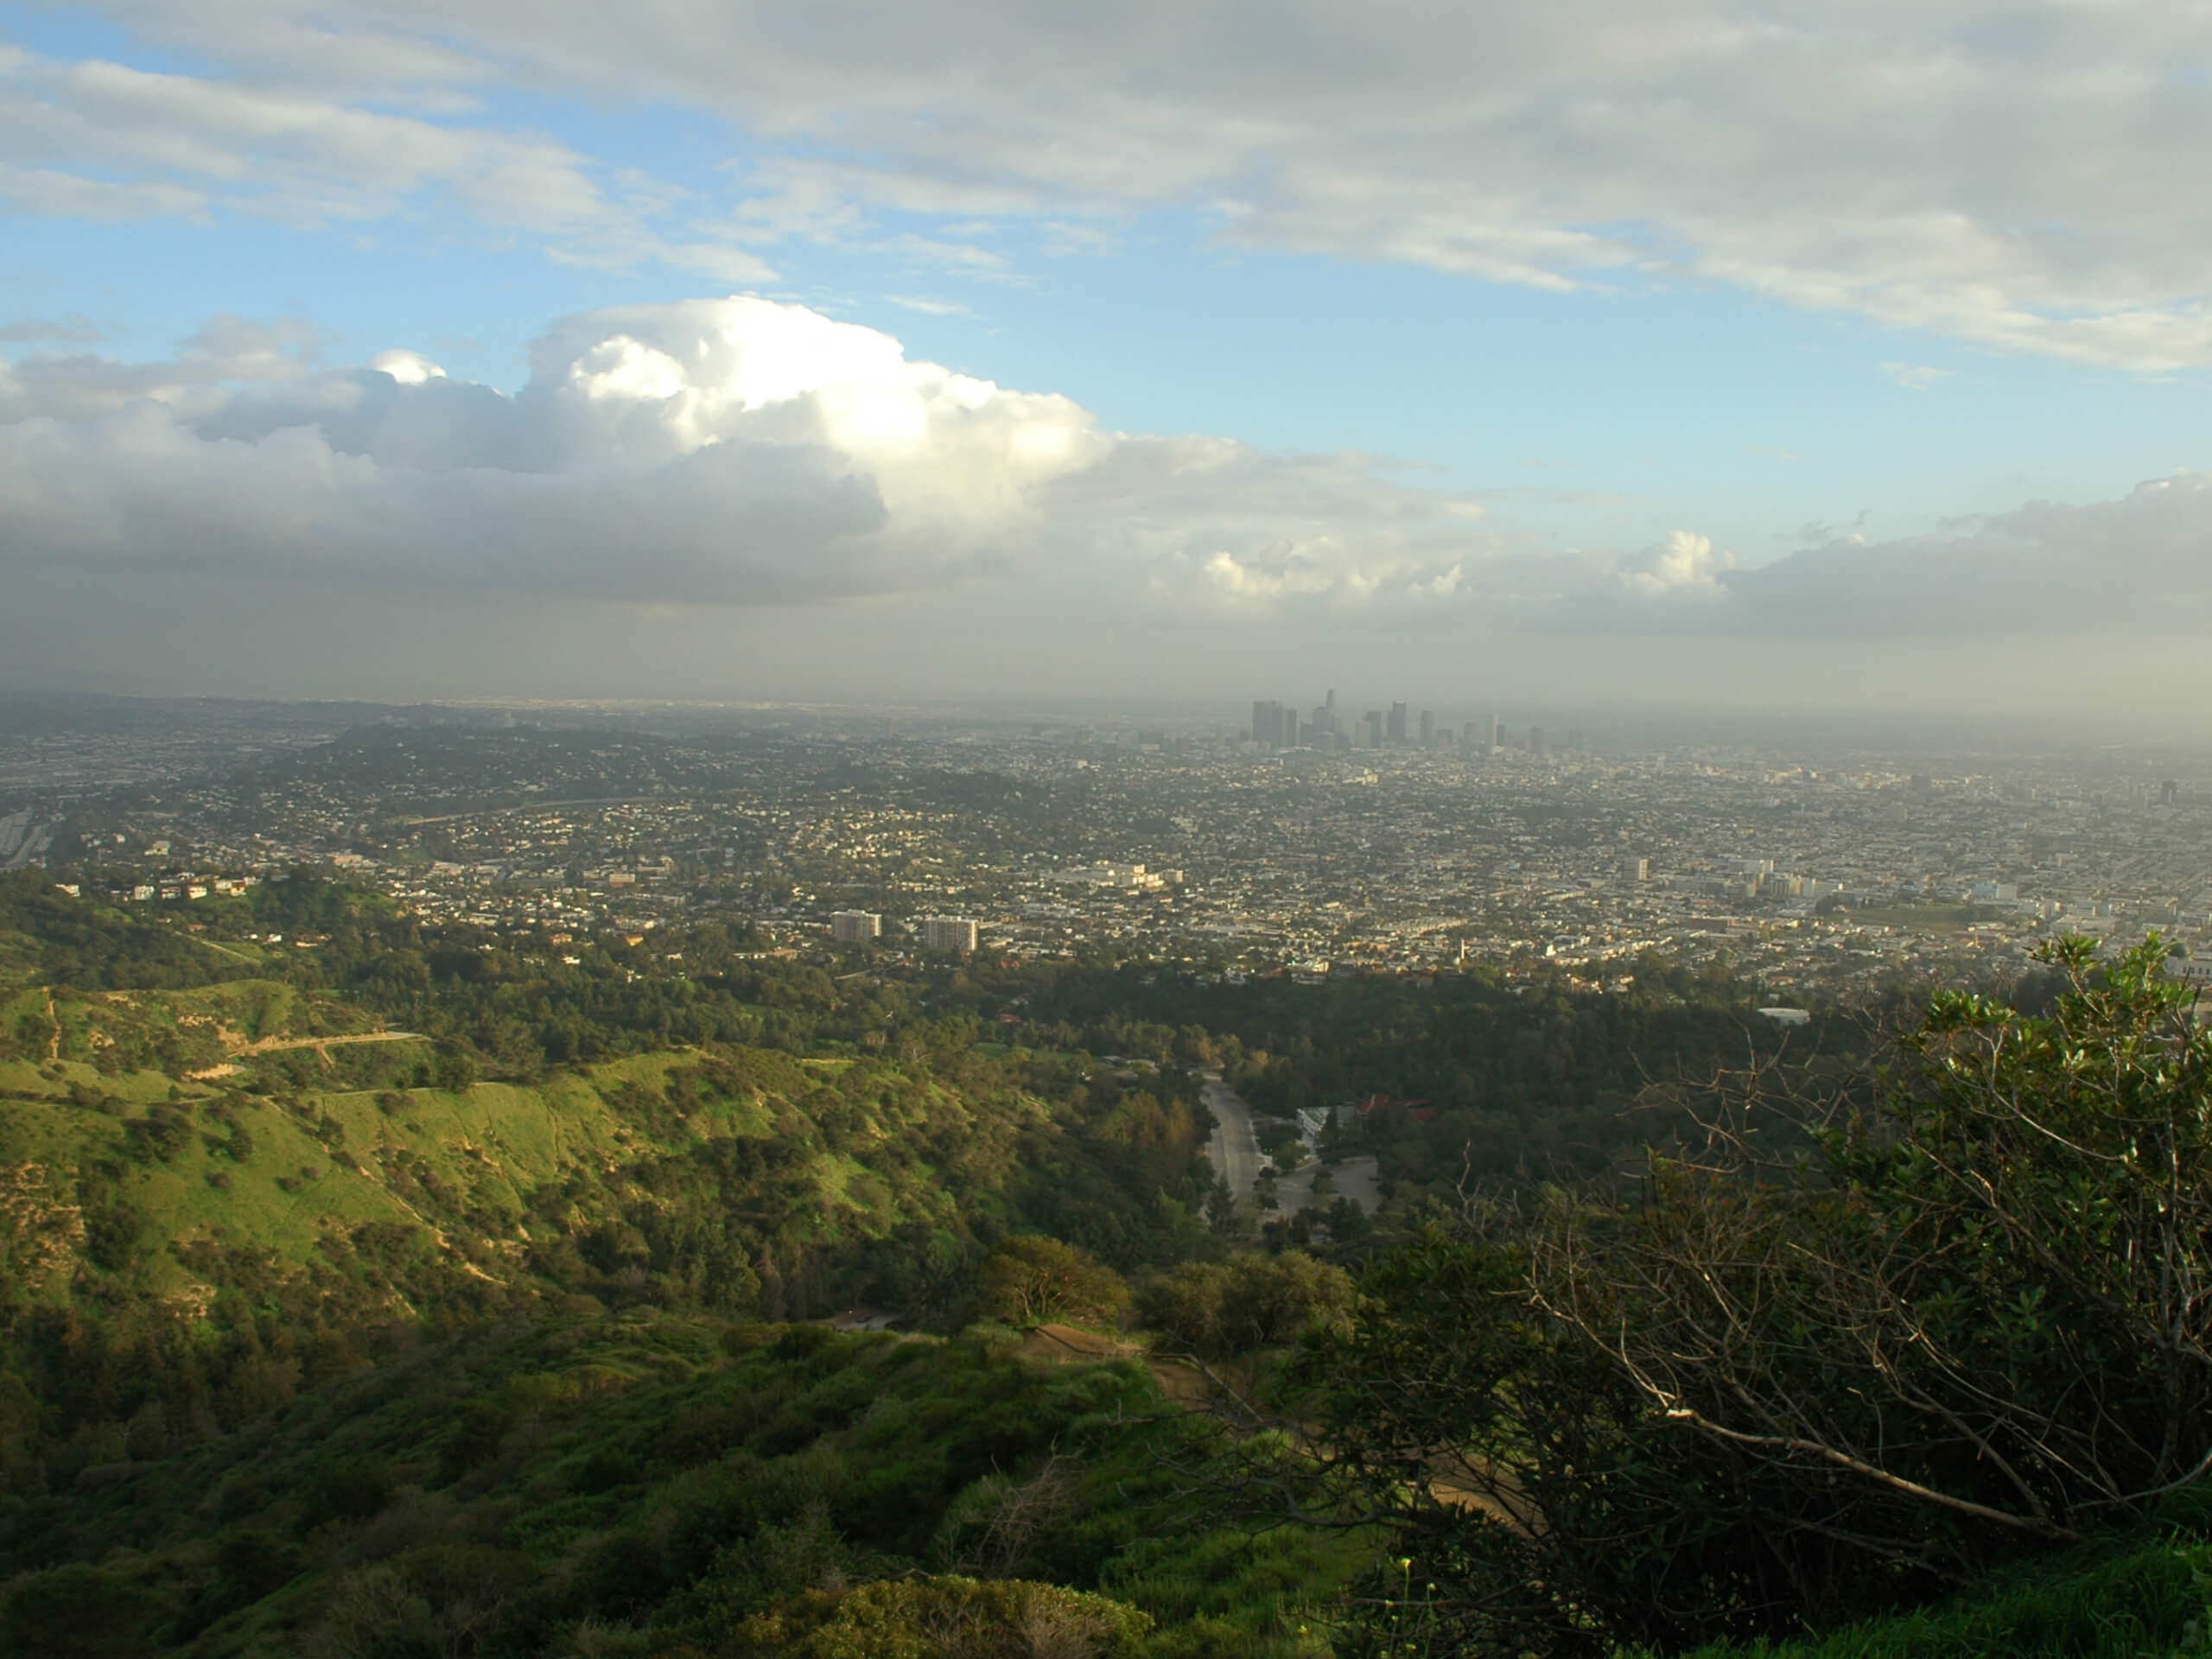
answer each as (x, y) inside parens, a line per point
(734, 450)
(740, 452)
(2022, 178)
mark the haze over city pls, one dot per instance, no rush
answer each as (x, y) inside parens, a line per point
(1831, 359)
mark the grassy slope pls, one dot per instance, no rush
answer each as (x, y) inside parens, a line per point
(2149, 1597)
(426, 1157)
(642, 1473)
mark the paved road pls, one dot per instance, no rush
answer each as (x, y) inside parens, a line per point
(1234, 1152)
(1357, 1179)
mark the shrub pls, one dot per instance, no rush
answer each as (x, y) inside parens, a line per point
(933, 1619)
(1217, 1309)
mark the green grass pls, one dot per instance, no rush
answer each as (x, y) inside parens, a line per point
(2148, 1598)
(501, 1182)
(1922, 919)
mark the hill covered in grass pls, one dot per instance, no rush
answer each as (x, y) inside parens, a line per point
(323, 1330)
(370, 1289)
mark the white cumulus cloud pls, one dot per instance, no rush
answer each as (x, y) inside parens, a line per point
(1687, 563)
(734, 449)
(740, 451)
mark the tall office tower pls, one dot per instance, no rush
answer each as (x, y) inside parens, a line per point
(1330, 701)
(1396, 732)
(1636, 869)
(1370, 729)
(1493, 734)
(1266, 725)
(855, 926)
(1324, 724)
(1536, 743)
(952, 935)
(2169, 793)
(1427, 729)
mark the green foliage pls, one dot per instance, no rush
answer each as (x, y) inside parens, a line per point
(1032, 1280)
(1219, 1309)
(1530, 1079)
(78, 1612)
(2132, 1600)
(1967, 1324)
(312, 1352)
(665, 1483)
(925, 1618)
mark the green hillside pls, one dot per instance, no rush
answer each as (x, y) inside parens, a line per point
(643, 1484)
(381, 1292)
(320, 1331)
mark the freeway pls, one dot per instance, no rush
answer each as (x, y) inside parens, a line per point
(1233, 1151)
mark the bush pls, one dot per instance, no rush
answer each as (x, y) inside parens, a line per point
(928, 1618)
(1216, 1309)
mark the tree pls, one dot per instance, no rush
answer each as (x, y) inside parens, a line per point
(1216, 1309)
(1032, 1280)
(1989, 1295)
(1965, 1313)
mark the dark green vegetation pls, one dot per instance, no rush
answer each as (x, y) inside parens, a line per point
(642, 1483)
(1969, 1320)
(1469, 1074)
(386, 1291)
(338, 1315)
(2150, 1596)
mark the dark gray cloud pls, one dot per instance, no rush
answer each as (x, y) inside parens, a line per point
(74, 329)
(2141, 564)
(2138, 566)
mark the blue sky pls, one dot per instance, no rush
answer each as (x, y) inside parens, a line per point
(1431, 330)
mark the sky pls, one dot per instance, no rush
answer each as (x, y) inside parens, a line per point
(1787, 356)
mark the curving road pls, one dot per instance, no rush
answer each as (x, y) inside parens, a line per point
(1233, 1151)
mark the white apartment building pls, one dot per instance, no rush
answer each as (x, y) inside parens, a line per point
(955, 935)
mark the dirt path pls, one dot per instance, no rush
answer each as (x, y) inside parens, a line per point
(276, 1045)
(53, 1043)
(272, 1044)
(225, 950)
(1063, 1344)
